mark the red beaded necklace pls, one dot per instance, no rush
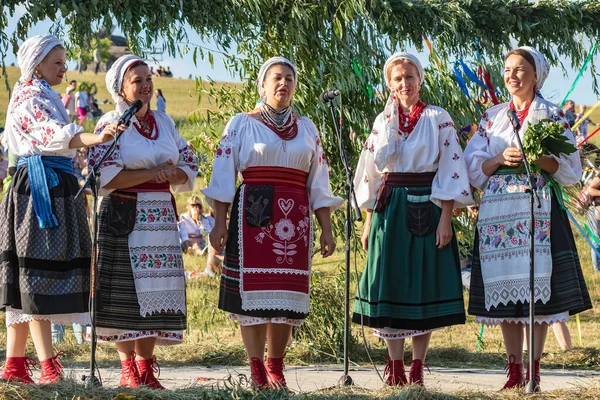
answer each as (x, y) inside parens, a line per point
(287, 129)
(521, 114)
(146, 125)
(407, 122)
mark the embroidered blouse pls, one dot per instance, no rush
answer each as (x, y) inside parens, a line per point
(432, 146)
(134, 151)
(495, 134)
(247, 142)
(37, 122)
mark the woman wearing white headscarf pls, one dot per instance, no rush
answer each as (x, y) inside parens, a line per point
(269, 244)
(410, 176)
(500, 273)
(141, 284)
(44, 237)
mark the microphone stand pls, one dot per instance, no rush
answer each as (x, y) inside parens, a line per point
(346, 379)
(532, 385)
(93, 182)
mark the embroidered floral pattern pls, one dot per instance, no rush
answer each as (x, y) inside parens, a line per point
(177, 336)
(284, 229)
(188, 157)
(446, 125)
(284, 234)
(256, 208)
(155, 257)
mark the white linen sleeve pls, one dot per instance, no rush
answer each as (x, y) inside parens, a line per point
(44, 132)
(451, 180)
(187, 161)
(476, 153)
(318, 184)
(367, 180)
(569, 166)
(183, 232)
(225, 166)
(114, 163)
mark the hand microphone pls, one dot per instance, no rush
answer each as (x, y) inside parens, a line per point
(330, 95)
(130, 112)
(512, 115)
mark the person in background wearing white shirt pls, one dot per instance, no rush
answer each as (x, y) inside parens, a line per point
(81, 101)
(161, 103)
(69, 100)
(582, 130)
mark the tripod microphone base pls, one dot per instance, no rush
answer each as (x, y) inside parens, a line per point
(532, 387)
(346, 380)
(91, 381)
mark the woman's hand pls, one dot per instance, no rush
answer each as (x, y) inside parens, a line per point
(364, 239)
(511, 156)
(217, 238)
(110, 132)
(327, 243)
(164, 172)
(443, 234)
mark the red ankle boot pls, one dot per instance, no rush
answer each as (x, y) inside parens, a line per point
(51, 370)
(275, 372)
(130, 376)
(18, 369)
(147, 369)
(416, 372)
(536, 371)
(515, 374)
(394, 373)
(258, 374)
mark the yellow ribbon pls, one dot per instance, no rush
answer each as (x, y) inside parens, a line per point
(585, 116)
(433, 55)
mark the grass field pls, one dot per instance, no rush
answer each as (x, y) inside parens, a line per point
(212, 339)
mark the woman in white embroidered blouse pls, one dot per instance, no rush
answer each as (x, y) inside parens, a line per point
(141, 294)
(499, 292)
(269, 244)
(410, 176)
(44, 237)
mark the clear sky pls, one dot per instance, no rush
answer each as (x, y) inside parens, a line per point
(555, 88)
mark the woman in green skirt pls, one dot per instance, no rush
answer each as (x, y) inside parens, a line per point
(410, 177)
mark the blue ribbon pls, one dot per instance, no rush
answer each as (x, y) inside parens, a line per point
(42, 178)
(587, 239)
(463, 86)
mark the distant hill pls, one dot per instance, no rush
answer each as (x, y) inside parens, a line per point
(180, 94)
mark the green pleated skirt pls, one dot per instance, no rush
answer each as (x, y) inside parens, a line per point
(408, 283)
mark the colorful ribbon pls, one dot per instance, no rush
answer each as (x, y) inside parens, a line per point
(463, 86)
(572, 218)
(581, 71)
(358, 71)
(584, 141)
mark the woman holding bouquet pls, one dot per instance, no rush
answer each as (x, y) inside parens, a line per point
(500, 274)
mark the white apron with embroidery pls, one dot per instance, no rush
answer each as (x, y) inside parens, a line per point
(503, 223)
(154, 246)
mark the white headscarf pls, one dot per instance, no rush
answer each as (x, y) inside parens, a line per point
(403, 56)
(114, 79)
(32, 52)
(542, 67)
(268, 64)
(387, 141)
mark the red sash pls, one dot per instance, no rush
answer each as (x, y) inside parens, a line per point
(275, 257)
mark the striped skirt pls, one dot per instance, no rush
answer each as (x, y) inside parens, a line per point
(44, 273)
(118, 316)
(569, 294)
